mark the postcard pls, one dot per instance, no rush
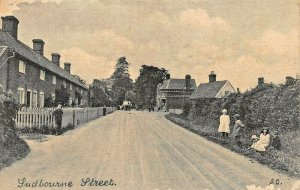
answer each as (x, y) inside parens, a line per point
(150, 95)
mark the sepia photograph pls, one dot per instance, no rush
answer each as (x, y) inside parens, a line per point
(150, 95)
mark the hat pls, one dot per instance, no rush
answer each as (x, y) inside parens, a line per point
(254, 137)
(236, 115)
(224, 111)
(265, 128)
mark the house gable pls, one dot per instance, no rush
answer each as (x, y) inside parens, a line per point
(227, 88)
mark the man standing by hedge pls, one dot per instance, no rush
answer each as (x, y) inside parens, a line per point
(58, 112)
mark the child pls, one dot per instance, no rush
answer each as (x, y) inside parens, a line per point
(238, 130)
(276, 144)
(263, 142)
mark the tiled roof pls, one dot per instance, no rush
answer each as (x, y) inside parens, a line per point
(177, 84)
(28, 53)
(208, 90)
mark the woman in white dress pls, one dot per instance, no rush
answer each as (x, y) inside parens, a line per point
(224, 128)
(263, 142)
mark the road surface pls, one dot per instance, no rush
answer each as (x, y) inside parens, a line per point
(135, 151)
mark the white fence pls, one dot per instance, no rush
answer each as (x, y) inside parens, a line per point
(176, 111)
(39, 117)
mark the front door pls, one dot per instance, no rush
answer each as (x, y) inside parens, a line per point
(28, 99)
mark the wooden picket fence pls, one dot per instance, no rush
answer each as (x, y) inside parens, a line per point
(39, 117)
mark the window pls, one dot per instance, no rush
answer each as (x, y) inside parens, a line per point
(21, 92)
(34, 99)
(65, 84)
(71, 86)
(81, 91)
(54, 79)
(42, 99)
(53, 97)
(22, 66)
(77, 88)
(42, 74)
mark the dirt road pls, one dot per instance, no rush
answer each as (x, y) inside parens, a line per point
(137, 150)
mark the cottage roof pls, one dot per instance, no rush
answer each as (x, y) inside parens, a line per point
(208, 90)
(28, 53)
(177, 84)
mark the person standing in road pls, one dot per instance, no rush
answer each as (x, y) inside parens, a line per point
(58, 113)
(238, 130)
(224, 128)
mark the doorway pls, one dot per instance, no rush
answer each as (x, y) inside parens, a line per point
(28, 98)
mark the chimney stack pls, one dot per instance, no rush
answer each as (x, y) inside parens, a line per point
(56, 58)
(261, 81)
(67, 67)
(212, 77)
(188, 81)
(38, 46)
(168, 76)
(10, 25)
(289, 80)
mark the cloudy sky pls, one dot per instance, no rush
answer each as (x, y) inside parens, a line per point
(239, 40)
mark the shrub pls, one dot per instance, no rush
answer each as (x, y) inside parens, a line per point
(11, 146)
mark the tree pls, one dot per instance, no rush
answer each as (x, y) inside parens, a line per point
(100, 94)
(146, 85)
(122, 83)
(62, 96)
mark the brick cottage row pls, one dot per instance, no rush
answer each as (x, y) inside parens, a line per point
(29, 75)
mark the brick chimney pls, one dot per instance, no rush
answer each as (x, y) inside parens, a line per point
(261, 81)
(38, 46)
(212, 77)
(289, 80)
(188, 81)
(67, 67)
(168, 76)
(10, 25)
(55, 58)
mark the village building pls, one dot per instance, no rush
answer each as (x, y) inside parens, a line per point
(213, 89)
(173, 93)
(31, 77)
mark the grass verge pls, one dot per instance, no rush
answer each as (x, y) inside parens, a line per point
(286, 160)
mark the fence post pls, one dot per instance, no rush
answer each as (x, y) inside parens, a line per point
(73, 117)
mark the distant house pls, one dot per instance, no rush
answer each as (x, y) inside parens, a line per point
(172, 93)
(29, 75)
(213, 89)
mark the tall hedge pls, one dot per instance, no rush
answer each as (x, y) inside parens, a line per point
(273, 106)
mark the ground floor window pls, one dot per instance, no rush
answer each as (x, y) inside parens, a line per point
(42, 99)
(21, 93)
(34, 99)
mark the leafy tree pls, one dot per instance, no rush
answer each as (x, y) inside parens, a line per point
(146, 85)
(122, 83)
(62, 96)
(100, 94)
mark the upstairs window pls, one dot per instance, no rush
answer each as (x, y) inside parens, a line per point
(65, 84)
(54, 79)
(71, 86)
(22, 66)
(42, 74)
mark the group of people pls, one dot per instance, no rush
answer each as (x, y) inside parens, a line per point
(260, 143)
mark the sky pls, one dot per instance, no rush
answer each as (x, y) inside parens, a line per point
(238, 40)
